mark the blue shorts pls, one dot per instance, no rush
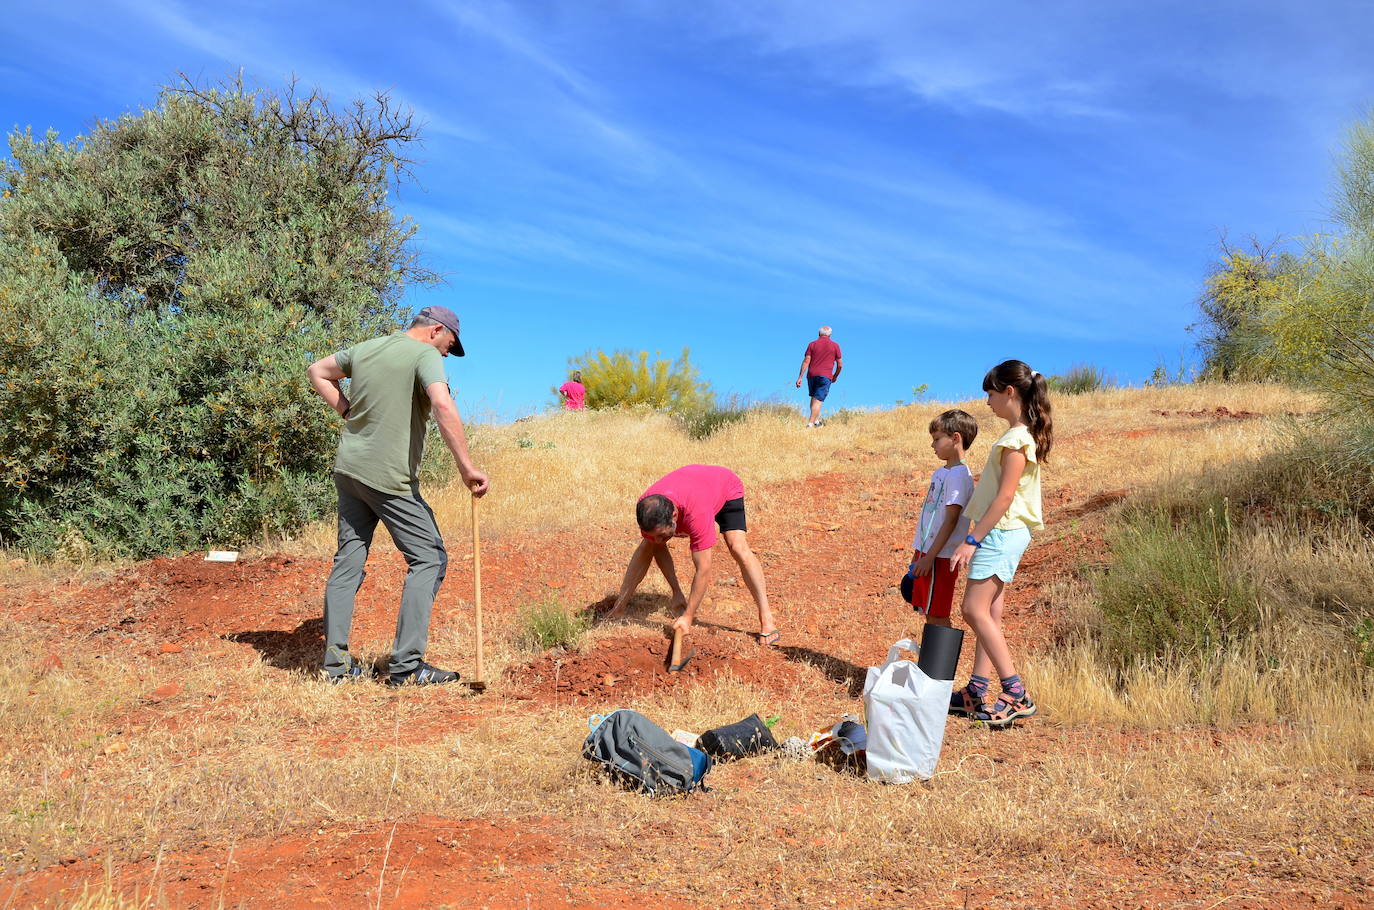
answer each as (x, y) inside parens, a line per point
(818, 386)
(1000, 554)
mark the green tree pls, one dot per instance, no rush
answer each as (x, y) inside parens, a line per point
(1238, 298)
(1328, 322)
(164, 281)
(624, 379)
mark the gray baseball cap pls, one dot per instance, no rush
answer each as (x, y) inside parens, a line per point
(446, 318)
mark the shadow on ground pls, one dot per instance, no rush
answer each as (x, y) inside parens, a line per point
(852, 676)
(637, 611)
(301, 650)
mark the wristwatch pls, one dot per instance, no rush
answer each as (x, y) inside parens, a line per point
(973, 541)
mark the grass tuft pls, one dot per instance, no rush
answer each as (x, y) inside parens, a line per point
(1081, 379)
(549, 624)
(1171, 593)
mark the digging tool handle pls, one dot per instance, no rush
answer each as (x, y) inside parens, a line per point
(477, 585)
(675, 656)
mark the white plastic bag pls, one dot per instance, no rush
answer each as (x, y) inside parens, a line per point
(906, 712)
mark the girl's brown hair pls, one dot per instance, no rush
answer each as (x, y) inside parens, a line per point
(1034, 393)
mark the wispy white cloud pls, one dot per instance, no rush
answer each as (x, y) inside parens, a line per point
(499, 23)
(1076, 59)
(259, 47)
(576, 100)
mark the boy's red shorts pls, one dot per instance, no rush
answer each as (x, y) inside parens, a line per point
(934, 599)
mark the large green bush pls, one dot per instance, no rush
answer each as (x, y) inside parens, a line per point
(164, 281)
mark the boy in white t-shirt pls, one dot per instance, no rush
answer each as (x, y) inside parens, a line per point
(929, 582)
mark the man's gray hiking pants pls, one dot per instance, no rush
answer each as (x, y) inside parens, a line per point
(416, 533)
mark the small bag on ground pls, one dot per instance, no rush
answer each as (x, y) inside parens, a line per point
(906, 712)
(739, 740)
(641, 755)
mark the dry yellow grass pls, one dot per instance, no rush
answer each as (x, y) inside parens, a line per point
(567, 470)
(1252, 775)
(1248, 799)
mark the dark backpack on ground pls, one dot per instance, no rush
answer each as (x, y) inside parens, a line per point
(640, 754)
(748, 737)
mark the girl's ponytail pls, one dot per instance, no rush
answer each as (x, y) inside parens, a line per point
(1040, 416)
(1034, 392)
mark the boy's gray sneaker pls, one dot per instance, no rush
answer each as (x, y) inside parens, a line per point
(422, 675)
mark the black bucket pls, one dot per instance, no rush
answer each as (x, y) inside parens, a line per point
(939, 655)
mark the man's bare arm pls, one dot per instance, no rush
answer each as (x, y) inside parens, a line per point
(700, 583)
(325, 376)
(451, 429)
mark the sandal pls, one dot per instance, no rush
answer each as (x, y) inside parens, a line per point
(770, 638)
(1006, 710)
(963, 703)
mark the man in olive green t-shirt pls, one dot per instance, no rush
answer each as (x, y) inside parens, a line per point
(396, 383)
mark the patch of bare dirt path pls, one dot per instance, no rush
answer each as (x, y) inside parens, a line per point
(414, 863)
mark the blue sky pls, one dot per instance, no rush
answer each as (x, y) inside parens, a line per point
(947, 185)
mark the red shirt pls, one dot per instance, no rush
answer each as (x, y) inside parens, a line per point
(577, 395)
(699, 490)
(823, 353)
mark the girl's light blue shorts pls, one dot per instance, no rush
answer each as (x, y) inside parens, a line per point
(1000, 554)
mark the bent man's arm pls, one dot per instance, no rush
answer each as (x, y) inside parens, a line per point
(701, 581)
(839, 365)
(451, 428)
(325, 376)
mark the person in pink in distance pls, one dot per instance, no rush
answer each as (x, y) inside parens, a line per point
(693, 502)
(573, 392)
(820, 366)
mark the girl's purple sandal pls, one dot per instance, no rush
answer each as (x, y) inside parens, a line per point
(1005, 710)
(962, 703)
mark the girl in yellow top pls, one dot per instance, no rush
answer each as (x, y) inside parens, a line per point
(1004, 509)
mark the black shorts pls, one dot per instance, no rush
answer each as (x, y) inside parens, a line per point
(731, 516)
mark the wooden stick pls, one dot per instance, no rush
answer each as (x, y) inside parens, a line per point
(675, 655)
(477, 588)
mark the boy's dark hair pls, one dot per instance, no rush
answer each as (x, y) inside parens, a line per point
(956, 421)
(1035, 398)
(654, 512)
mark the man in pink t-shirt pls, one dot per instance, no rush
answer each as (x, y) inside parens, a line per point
(574, 393)
(821, 365)
(692, 502)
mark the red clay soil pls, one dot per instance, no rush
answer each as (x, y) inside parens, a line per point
(419, 863)
(615, 668)
(1219, 413)
(832, 580)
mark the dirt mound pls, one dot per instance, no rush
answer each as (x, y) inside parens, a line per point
(184, 596)
(1218, 413)
(1096, 503)
(621, 667)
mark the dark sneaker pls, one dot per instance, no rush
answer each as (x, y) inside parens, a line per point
(356, 670)
(422, 675)
(962, 703)
(1005, 710)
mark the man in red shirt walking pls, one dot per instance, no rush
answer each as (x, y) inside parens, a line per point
(820, 366)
